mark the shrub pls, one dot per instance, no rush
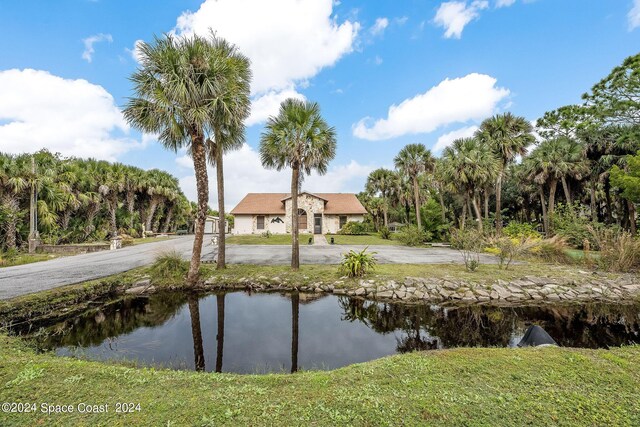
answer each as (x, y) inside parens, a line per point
(551, 250)
(509, 248)
(520, 230)
(573, 227)
(385, 233)
(169, 266)
(357, 264)
(266, 234)
(619, 250)
(469, 242)
(8, 256)
(354, 228)
(412, 236)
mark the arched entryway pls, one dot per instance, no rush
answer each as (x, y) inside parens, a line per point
(302, 219)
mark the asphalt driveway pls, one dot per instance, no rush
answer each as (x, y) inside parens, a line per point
(30, 278)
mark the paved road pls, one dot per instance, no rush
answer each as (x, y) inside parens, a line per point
(26, 279)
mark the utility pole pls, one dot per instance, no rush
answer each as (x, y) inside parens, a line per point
(34, 236)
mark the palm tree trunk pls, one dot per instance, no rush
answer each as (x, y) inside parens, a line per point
(607, 194)
(476, 207)
(592, 195)
(221, 214)
(168, 219)
(463, 217)
(553, 185)
(153, 206)
(12, 207)
(196, 333)
(131, 205)
(499, 204)
(486, 203)
(220, 334)
(545, 218)
(113, 207)
(295, 315)
(295, 241)
(416, 196)
(202, 187)
(66, 218)
(567, 191)
(632, 217)
(443, 212)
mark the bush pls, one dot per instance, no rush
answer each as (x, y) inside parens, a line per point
(8, 256)
(169, 265)
(551, 250)
(519, 230)
(266, 234)
(469, 242)
(357, 264)
(385, 233)
(412, 236)
(619, 250)
(354, 228)
(509, 248)
(573, 227)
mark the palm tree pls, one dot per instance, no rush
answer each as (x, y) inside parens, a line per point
(181, 88)
(413, 160)
(13, 182)
(508, 136)
(380, 181)
(299, 138)
(110, 189)
(232, 107)
(470, 164)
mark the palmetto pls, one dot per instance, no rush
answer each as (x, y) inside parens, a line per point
(185, 90)
(298, 138)
(381, 181)
(413, 160)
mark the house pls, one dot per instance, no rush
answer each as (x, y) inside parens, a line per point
(318, 213)
(211, 224)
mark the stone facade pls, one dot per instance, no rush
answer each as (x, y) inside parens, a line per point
(311, 205)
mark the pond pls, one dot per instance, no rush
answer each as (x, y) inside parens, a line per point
(258, 333)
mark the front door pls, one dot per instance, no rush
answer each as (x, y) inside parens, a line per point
(317, 224)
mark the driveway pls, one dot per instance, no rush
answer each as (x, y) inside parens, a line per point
(30, 278)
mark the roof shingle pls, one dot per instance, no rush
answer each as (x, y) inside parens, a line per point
(271, 203)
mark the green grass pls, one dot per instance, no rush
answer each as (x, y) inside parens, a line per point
(488, 387)
(257, 239)
(367, 239)
(22, 259)
(140, 240)
(578, 254)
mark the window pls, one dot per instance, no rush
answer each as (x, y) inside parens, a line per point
(260, 222)
(343, 220)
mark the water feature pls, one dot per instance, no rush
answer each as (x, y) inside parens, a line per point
(257, 333)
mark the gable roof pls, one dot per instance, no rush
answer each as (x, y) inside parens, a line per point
(273, 203)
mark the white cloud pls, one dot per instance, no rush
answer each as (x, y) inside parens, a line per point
(74, 117)
(459, 100)
(634, 15)
(504, 3)
(377, 60)
(135, 51)
(244, 169)
(268, 104)
(447, 139)
(287, 41)
(89, 50)
(379, 26)
(453, 16)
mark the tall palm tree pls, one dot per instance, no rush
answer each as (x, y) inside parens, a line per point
(110, 189)
(508, 136)
(13, 183)
(413, 160)
(380, 181)
(470, 164)
(180, 89)
(299, 138)
(232, 107)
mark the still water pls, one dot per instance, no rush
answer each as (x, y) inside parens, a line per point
(258, 333)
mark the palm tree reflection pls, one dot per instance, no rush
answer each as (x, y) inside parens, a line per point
(220, 334)
(196, 332)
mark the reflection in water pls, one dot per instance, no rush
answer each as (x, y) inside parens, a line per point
(271, 332)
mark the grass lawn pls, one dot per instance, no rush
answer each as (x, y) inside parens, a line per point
(492, 387)
(23, 258)
(140, 240)
(367, 239)
(257, 239)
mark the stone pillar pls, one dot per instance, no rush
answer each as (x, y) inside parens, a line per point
(116, 244)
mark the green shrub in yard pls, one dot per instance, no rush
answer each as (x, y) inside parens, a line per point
(619, 251)
(357, 264)
(519, 230)
(509, 248)
(412, 236)
(551, 250)
(354, 228)
(169, 265)
(469, 242)
(385, 233)
(573, 227)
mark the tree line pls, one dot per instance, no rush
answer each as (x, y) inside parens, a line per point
(82, 200)
(578, 156)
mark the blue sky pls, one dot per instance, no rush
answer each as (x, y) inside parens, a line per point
(65, 65)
